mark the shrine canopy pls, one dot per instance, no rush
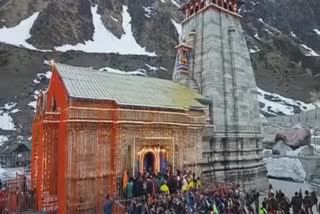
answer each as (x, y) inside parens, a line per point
(127, 90)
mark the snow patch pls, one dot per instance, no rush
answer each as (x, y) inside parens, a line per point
(172, 1)
(6, 122)
(48, 74)
(285, 168)
(114, 19)
(33, 104)
(46, 62)
(268, 31)
(9, 106)
(254, 50)
(152, 68)
(175, 3)
(293, 34)
(14, 111)
(275, 104)
(311, 52)
(40, 76)
(105, 42)
(317, 31)
(3, 139)
(19, 34)
(257, 36)
(148, 12)
(163, 68)
(178, 27)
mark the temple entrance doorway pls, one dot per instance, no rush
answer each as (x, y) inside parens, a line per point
(149, 162)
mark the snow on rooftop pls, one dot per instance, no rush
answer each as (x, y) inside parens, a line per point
(275, 103)
(105, 42)
(311, 52)
(19, 34)
(178, 27)
(317, 31)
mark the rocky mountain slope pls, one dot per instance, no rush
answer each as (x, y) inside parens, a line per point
(140, 36)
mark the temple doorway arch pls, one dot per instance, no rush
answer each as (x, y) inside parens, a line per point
(149, 162)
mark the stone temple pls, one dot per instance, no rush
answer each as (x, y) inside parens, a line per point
(92, 129)
(213, 59)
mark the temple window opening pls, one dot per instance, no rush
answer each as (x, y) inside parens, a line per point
(53, 104)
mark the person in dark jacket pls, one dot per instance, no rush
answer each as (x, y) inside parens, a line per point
(314, 199)
(138, 186)
(272, 205)
(284, 204)
(150, 186)
(172, 184)
(308, 203)
(296, 203)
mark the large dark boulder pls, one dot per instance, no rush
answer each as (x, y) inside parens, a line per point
(294, 137)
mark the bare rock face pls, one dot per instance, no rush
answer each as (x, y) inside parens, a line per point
(276, 33)
(281, 148)
(294, 137)
(12, 12)
(152, 25)
(111, 15)
(306, 150)
(62, 22)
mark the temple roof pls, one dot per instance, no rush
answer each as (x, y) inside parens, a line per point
(129, 90)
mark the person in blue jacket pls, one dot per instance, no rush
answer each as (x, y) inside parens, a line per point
(107, 207)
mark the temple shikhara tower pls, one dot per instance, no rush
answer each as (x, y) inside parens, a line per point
(213, 59)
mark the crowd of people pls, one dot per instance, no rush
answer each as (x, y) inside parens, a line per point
(280, 202)
(184, 193)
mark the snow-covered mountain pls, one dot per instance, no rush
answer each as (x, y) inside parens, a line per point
(138, 37)
(272, 105)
